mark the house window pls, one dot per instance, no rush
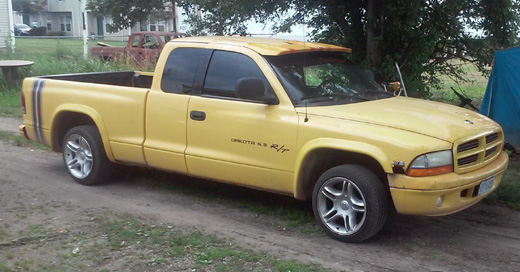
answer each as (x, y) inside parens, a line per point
(157, 26)
(49, 24)
(108, 25)
(65, 23)
(142, 26)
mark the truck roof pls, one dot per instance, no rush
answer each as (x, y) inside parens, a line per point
(266, 46)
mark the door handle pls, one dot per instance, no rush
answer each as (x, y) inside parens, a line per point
(198, 115)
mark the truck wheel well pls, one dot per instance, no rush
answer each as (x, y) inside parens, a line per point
(321, 160)
(64, 122)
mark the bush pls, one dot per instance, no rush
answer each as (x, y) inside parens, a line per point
(38, 31)
(55, 33)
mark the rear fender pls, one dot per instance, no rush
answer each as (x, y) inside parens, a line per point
(90, 112)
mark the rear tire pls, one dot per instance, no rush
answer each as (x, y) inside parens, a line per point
(84, 156)
(350, 203)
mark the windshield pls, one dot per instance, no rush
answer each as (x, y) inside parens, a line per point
(325, 78)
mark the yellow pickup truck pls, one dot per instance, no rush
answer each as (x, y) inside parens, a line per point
(283, 116)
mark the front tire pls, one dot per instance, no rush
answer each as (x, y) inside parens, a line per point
(84, 156)
(350, 203)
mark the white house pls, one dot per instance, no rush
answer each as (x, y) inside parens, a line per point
(67, 16)
(6, 23)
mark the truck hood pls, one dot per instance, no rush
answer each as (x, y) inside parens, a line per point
(434, 119)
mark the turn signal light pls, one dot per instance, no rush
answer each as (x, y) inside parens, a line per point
(423, 172)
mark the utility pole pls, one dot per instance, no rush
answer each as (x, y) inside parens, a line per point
(174, 10)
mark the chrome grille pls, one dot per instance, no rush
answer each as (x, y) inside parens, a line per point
(473, 153)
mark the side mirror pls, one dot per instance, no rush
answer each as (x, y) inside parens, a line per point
(396, 85)
(393, 86)
(252, 88)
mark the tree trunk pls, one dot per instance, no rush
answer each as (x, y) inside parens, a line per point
(373, 55)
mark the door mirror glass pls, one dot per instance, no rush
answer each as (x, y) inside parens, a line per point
(254, 89)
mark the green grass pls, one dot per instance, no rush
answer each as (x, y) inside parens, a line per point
(150, 247)
(207, 252)
(20, 141)
(10, 102)
(4, 268)
(508, 192)
(474, 87)
(29, 48)
(294, 214)
(48, 65)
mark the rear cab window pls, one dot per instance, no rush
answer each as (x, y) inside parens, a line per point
(181, 68)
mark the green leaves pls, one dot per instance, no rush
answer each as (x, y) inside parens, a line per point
(422, 35)
(126, 14)
(29, 6)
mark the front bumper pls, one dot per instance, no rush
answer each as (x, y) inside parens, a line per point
(419, 196)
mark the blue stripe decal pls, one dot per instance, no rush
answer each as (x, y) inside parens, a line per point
(40, 121)
(33, 98)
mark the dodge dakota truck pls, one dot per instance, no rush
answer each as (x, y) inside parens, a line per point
(289, 117)
(142, 47)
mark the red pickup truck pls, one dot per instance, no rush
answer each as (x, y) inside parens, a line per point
(142, 47)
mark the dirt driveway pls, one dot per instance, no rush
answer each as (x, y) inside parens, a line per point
(35, 188)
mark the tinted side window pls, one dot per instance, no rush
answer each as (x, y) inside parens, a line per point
(179, 71)
(226, 69)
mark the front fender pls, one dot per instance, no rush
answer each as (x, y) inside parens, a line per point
(90, 112)
(335, 144)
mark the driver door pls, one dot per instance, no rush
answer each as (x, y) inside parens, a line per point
(235, 140)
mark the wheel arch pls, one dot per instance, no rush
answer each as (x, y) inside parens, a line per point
(68, 116)
(319, 155)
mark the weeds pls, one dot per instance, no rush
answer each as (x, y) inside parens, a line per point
(508, 192)
(295, 214)
(10, 102)
(206, 252)
(20, 141)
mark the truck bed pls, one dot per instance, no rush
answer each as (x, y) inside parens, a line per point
(125, 78)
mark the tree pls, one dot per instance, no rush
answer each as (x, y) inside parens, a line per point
(229, 17)
(127, 13)
(29, 6)
(423, 36)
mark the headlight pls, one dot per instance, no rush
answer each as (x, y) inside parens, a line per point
(432, 164)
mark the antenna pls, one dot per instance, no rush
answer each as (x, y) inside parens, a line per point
(402, 82)
(306, 117)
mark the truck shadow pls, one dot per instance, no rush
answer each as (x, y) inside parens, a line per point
(297, 218)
